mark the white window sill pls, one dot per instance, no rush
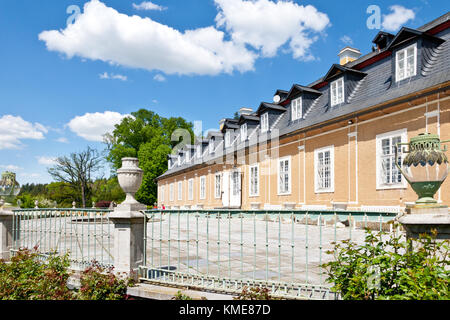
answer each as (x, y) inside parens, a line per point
(253, 196)
(324, 191)
(285, 194)
(391, 187)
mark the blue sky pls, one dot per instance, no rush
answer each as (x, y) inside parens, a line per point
(61, 84)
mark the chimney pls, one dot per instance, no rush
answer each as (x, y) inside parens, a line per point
(348, 54)
(245, 111)
(221, 124)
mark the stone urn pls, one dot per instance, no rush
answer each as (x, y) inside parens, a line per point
(130, 180)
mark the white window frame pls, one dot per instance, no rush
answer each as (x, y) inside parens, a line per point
(265, 122)
(297, 109)
(171, 187)
(179, 160)
(188, 156)
(180, 190)
(244, 132)
(168, 164)
(334, 94)
(404, 62)
(251, 180)
(199, 151)
(381, 184)
(191, 189)
(317, 187)
(202, 187)
(289, 189)
(211, 146)
(161, 194)
(218, 187)
(227, 139)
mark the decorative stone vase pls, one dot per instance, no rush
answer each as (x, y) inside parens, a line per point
(130, 180)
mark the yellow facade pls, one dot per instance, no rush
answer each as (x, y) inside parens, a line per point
(355, 161)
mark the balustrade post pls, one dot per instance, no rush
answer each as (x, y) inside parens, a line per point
(6, 232)
(128, 221)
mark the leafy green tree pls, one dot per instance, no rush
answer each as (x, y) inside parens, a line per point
(63, 193)
(147, 136)
(107, 190)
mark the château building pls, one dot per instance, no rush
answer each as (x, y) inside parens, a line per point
(327, 144)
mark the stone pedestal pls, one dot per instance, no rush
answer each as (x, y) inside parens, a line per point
(6, 233)
(422, 219)
(128, 238)
(129, 221)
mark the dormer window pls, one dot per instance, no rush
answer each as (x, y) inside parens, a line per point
(227, 139)
(211, 146)
(179, 160)
(199, 151)
(337, 92)
(296, 109)
(406, 63)
(188, 156)
(265, 122)
(244, 132)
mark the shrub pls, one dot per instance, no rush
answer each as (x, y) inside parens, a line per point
(254, 293)
(181, 296)
(25, 278)
(103, 204)
(98, 283)
(391, 269)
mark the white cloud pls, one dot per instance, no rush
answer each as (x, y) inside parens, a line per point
(268, 25)
(62, 140)
(112, 76)
(399, 16)
(14, 129)
(10, 167)
(46, 161)
(92, 126)
(347, 40)
(147, 5)
(102, 33)
(159, 77)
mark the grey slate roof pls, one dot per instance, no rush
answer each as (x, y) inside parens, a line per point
(376, 87)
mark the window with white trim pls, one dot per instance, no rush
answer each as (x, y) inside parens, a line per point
(244, 132)
(180, 190)
(337, 91)
(265, 122)
(199, 151)
(227, 139)
(171, 192)
(284, 176)
(179, 160)
(218, 186)
(324, 169)
(406, 63)
(188, 156)
(211, 146)
(296, 109)
(388, 175)
(161, 194)
(191, 189)
(254, 180)
(203, 187)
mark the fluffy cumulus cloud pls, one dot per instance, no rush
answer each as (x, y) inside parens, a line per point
(15, 129)
(93, 126)
(46, 161)
(267, 25)
(112, 76)
(398, 17)
(148, 5)
(102, 33)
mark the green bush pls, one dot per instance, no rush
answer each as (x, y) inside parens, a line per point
(254, 293)
(391, 269)
(27, 278)
(98, 283)
(24, 278)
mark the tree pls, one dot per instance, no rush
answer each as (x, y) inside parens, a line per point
(147, 136)
(77, 170)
